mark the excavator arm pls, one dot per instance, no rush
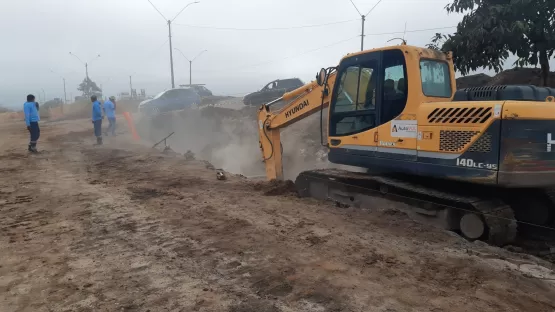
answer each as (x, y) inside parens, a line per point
(302, 103)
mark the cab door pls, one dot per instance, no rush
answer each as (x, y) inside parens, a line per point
(397, 131)
(353, 115)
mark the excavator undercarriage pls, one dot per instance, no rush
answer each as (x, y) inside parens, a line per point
(497, 216)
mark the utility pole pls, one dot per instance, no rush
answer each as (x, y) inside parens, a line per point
(65, 95)
(363, 19)
(130, 87)
(190, 63)
(169, 21)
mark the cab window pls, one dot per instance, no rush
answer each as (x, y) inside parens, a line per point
(395, 87)
(356, 89)
(436, 80)
(354, 109)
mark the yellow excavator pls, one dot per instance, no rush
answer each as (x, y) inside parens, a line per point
(480, 161)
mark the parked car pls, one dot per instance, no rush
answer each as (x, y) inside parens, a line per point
(272, 91)
(170, 100)
(199, 89)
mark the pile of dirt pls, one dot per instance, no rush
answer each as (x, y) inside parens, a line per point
(223, 136)
(228, 138)
(515, 76)
(276, 187)
(215, 112)
(472, 81)
(77, 110)
(214, 100)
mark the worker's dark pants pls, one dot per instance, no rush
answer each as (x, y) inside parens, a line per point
(111, 126)
(97, 128)
(34, 132)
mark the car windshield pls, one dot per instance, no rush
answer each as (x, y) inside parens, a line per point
(176, 93)
(159, 95)
(185, 93)
(290, 83)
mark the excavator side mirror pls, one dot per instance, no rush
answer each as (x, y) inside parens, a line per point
(321, 77)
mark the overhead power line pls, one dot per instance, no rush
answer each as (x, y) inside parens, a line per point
(323, 47)
(410, 31)
(269, 28)
(279, 59)
(312, 50)
(363, 20)
(283, 58)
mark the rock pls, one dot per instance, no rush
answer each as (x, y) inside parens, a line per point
(189, 155)
(220, 175)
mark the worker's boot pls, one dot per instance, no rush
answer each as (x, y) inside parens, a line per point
(98, 141)
(33, 148)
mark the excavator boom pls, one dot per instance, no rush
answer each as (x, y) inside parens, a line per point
(301, 103)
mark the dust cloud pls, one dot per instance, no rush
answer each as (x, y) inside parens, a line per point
(228, 138)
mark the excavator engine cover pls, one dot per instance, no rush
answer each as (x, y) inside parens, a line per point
(504, 93)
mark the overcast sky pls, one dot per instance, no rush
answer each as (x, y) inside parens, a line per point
(132, 39)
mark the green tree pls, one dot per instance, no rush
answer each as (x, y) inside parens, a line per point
(88, 87)
(493, 30)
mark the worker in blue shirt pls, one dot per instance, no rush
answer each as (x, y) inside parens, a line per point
(110, 112)
(32, 121)
(97, 119)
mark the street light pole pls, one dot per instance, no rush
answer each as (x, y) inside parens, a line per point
(190, 63)
(363, 20)
(171, 52)
(85, 63)
(64, 80)
(169, 21)
(362, 34)
(65, 95)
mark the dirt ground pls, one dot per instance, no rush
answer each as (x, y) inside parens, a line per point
(126, 228)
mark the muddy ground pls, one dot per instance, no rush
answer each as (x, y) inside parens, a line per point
(126, 228)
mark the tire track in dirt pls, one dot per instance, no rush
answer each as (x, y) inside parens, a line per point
(128, 229)
(234, 227)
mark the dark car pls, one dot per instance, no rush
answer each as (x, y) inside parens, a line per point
(170, 100)
(272, 91)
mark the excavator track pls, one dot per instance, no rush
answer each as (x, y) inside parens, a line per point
(474, 214)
